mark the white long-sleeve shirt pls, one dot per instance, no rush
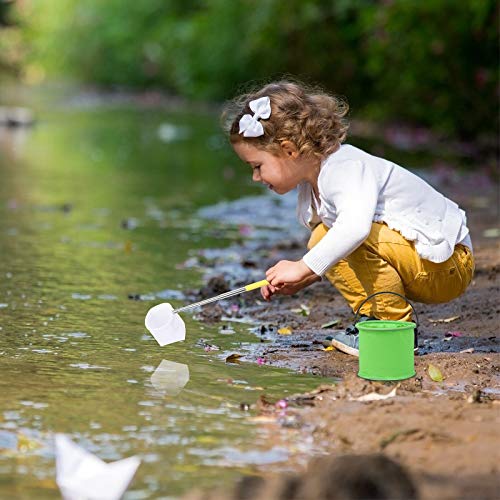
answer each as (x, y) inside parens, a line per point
(356, 189)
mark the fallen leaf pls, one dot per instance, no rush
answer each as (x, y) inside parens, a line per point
(304, 310)
(330, 323)
(444, 320)
(374, 396)
(285, 331)
(234, 358)
(435, 373)
(329, 348)
(25, 443)
(207, 439)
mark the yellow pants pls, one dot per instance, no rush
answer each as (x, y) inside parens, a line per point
(388, 262)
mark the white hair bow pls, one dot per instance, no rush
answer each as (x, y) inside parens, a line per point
(249, 124)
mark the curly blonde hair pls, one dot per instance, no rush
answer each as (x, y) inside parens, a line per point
(313, 120)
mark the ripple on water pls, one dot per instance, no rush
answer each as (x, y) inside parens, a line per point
(107, 297)
(229, 457)
(170, 295)
(35, 405)
(87, 366)
(81, 296)
(78, 335)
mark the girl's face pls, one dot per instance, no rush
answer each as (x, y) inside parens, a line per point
(281, 173)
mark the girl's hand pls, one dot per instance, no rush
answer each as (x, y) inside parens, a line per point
(269, 290)
(287, 272)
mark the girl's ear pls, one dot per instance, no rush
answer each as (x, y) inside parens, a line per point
(289, 149)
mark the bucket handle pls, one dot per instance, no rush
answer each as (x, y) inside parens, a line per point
(393, 293)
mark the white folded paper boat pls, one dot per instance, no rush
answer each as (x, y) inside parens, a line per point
(81, 475)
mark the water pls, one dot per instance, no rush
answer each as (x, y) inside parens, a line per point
(98, 206)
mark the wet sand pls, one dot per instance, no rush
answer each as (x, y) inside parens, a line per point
(445, 434)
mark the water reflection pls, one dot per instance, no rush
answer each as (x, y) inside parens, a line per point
(77, 277)
(170, 377)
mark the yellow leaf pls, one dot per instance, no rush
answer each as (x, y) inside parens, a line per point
(435, 373)
(207, 439)
(329, 348)
(285, 331)
(26, 444)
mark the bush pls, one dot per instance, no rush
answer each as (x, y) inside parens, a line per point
(431, 62)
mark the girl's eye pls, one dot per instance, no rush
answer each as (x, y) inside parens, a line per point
(257, 167)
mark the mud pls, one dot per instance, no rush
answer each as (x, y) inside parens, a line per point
(446, 434)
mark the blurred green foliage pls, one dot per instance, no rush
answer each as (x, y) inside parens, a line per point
(433, 62)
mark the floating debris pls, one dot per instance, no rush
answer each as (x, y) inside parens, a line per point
(206, 346)
(137, 296)
(234, 358)
(226, 329)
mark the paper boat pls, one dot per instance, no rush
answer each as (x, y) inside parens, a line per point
(81, 475)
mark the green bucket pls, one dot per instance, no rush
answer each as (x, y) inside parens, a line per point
(386, 348)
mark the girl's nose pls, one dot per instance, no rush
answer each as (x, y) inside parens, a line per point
(256, 175)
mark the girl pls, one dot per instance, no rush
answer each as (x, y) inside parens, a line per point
(374, 225)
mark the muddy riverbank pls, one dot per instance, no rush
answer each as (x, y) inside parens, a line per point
(445, 434)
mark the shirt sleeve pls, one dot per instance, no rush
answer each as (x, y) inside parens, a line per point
(352, 188)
